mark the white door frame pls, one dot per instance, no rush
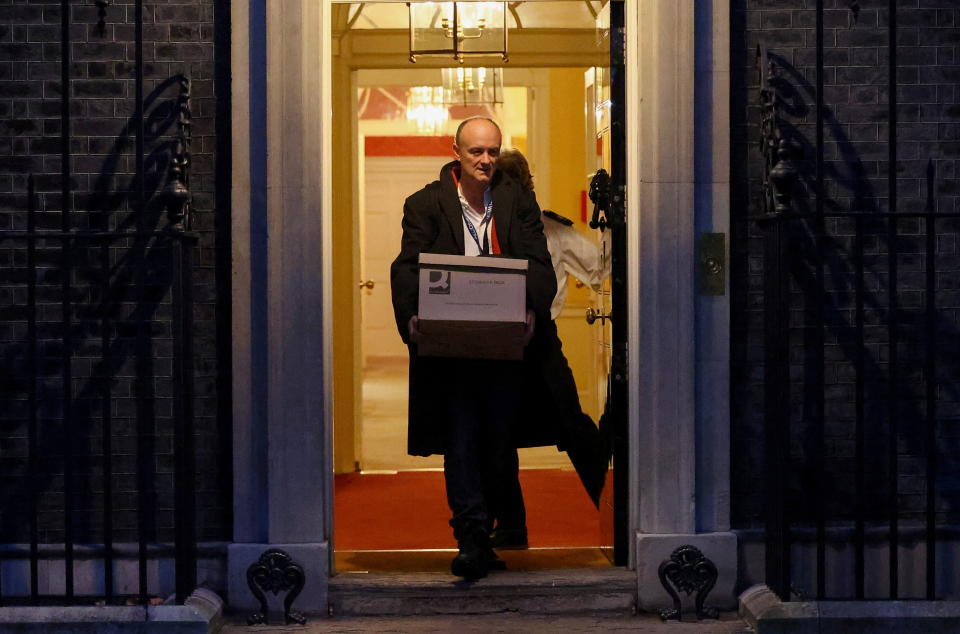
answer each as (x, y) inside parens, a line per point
(677, 103)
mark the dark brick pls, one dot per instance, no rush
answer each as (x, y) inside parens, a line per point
(98, 88)
(20, 89)
(44, 70)
(182, 51)
(917, 94)
(43, 33)
(941, 37)
(861, 37)
(100, 70)
(87, 14)
(916, 55)
(51, 108)
(20, 52)
(856, 97)
(178, 13)
(100, 108)
(20, 14)
(865, 56)
(184, 32)
(29, 69)
(151, 32)
(770, 4)
(940, 74)
(864, 95)
(99, 51)
(776, 19)
(19, 164)
(861, 75)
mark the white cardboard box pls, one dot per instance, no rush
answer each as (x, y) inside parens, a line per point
(472, 307)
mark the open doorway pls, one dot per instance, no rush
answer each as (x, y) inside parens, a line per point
(552, 110)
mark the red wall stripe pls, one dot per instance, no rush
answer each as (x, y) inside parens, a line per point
(408, 146)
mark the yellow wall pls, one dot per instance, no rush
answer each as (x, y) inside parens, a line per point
(567, 132)
(346, 273)
(567, 149)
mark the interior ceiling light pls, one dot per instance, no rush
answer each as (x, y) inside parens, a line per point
(473, 86)
(426, 109)
(458, 29)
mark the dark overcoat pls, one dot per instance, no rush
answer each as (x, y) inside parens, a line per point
(433, 223)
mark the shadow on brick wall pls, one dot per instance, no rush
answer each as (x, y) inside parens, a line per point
(134, 295)
(850, 185)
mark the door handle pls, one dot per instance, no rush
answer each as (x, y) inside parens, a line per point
(594, 315)
(368, 284)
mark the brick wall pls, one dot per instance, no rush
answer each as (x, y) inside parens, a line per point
(179, 43)
(856, 167)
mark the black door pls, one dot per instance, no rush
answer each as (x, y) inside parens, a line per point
(610, 197)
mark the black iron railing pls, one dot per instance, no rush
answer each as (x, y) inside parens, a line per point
(846, 265)
(170, 262)
(73, 430)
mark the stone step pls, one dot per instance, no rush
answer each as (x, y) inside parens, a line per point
(573, 591)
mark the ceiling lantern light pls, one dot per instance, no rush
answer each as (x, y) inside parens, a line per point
(465, 86)
(458, 29)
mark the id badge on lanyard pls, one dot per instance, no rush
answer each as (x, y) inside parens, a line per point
(488, 213)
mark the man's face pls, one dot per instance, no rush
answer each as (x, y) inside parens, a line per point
(478, 151)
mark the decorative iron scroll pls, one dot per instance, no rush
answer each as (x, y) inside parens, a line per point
(276, 572)
(779, 174)
(176, 194)
(687, 571)
(600, 196)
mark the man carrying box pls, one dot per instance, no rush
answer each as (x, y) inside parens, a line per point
(466, 408)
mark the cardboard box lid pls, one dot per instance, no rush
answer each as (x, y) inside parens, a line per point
(474, 263)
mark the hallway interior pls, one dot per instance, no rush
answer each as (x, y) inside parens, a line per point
(392, 514)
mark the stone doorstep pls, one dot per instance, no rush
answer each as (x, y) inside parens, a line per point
(585, 591)
(767, 614)
(202, 613)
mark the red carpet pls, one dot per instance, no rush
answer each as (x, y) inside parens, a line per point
(408, 510)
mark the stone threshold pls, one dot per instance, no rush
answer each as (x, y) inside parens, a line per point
(763, 610)
(577, 591)
(201, 613)
(438, 559)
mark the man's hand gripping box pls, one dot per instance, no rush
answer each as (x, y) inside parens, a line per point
(472, 307)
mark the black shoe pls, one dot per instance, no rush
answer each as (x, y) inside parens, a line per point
(469, 565)
(509, 538)
(472, 560)
(494, 563)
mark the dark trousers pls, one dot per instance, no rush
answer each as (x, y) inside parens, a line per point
(511, 513)
(481, 405)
